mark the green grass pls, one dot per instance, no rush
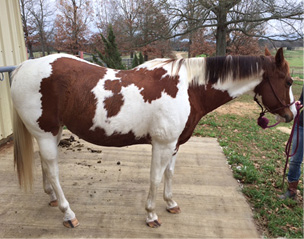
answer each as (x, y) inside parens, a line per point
(257, 159)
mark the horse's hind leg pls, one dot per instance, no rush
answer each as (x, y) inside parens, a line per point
(49, 153)
(172, 206)
(48, 189)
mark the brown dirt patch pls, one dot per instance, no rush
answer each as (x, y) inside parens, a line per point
(239, 108)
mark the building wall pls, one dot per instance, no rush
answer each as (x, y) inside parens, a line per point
(12, 52)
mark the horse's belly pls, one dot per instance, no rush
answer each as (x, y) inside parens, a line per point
(98, 136)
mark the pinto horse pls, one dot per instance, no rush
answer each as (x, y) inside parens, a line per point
(159, 103)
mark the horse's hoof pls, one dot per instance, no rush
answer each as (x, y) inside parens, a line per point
(71, 223)
(154, 224)
(53, 203)
(174, 210)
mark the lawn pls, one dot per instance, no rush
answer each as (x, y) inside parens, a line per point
(257, 159)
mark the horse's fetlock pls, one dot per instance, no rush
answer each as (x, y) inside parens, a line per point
(63, 207)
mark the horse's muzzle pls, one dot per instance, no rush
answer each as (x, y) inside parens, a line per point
(288, 118)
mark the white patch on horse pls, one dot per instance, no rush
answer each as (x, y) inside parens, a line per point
(238, 87)
(292, 107)
(26, 88)
(159, 118)
(100, 119)
(196, 70)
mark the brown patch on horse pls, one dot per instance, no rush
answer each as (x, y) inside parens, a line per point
(113, 85)
(66, 96)
(203, 99)
(99, 137)
(49, 121)
(151, 83)
(113, 104)
(74, 104)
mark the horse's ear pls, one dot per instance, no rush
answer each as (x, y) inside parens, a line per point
(279, 58)
(267, 52)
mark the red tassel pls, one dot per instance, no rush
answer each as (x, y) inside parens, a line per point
(263, 122)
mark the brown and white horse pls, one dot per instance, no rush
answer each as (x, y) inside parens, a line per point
(157, 103)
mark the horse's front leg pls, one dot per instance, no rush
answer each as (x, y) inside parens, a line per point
(172, 206)
(161, 156)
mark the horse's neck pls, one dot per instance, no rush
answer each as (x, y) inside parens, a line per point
(207, 98)
(204, 99)
(215, 81)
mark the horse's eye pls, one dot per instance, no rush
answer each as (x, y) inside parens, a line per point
(289, 82)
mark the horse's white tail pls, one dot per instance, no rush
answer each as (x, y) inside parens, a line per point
(23, 152)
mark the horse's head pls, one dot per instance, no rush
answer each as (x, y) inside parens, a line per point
(275, 88)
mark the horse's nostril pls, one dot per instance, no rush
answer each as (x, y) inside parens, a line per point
(288, 118)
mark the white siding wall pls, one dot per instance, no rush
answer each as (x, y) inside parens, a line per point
(12, 52)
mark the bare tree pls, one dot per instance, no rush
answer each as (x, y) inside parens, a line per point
(153, 22)
(106, 12)
(127, 23)
(71, 24)
(26, 17)
(41, 12)
(136, 24)
(221, 15)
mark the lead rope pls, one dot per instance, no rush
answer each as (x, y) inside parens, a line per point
(289, 142)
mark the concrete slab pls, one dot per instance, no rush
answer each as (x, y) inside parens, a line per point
(107, 190)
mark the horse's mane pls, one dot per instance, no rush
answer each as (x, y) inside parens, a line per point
(161, 62)
(204, 70)
(232, 68)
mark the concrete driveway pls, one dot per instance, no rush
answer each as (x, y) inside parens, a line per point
(107, 189)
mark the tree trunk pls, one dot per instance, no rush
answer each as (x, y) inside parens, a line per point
(189, 46)
(221, 43)
(221, 31)
(146, 57)
(30, 50)
(42, 44)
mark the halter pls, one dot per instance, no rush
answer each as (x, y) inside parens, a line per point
(263, 121)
